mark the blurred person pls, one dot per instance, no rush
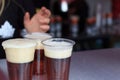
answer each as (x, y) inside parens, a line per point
(81, 9)
(75, 7)
(56, 9)
(15, 15)
(56, 26)
(74, 26)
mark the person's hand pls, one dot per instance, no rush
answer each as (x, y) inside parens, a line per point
(39, 22)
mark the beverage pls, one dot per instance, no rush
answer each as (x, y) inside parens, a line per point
(58, 53)
(19, 55)
(20, 71)
(57, 72)
(39, 62)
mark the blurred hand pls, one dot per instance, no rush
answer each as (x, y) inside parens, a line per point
(39, 22)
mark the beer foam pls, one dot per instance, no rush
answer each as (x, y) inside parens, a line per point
(38, 37)
(58, 53)
(18, 43)
(57, 49)
(19, 50)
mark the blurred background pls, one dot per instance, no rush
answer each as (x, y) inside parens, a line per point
(92, 24)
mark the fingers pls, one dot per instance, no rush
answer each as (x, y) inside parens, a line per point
(44, 28)
(44, 21)
(48, 13)
(44, 12)
(41, 20)
(26, 17)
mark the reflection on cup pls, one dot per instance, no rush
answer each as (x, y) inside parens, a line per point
(19, 55)
(58, 54)
(39, 62)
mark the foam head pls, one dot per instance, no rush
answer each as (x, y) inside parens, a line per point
(19, 50)
(58, 48)
(38, 37)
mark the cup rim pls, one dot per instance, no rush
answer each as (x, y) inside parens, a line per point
(60, 39)
(38, 33)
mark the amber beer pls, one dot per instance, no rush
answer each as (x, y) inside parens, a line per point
(19, 55)
(58, 55)
(58, 69)
(39, 64)
(39, 58)
(18, 71)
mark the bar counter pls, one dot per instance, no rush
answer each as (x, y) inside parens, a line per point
(101, 64)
